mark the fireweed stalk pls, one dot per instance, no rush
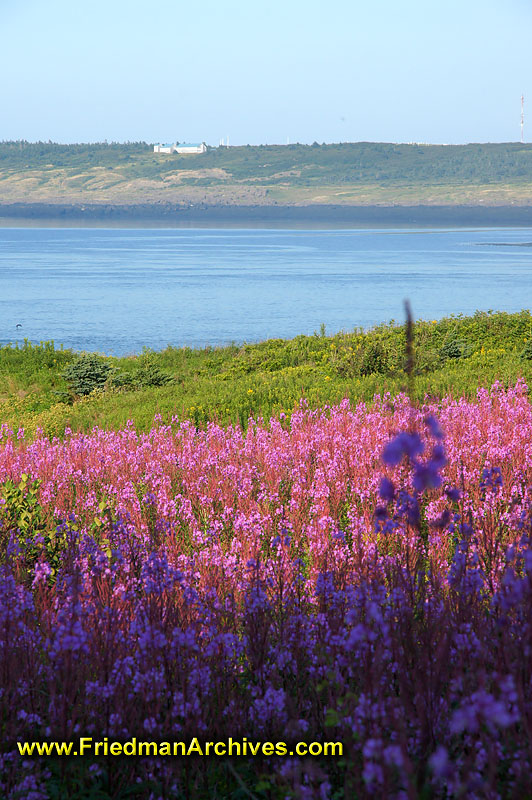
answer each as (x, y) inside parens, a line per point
(359, 574)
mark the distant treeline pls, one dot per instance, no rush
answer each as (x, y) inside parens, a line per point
(299, 165)
(39, 155)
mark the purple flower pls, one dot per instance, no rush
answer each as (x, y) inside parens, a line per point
(381, 513)
(41, 572)
(387, 490)
(491, 478)
(434, 426)
(408, 444)
(453, 494)
(439, 762)
(426, 476)
(438, 457)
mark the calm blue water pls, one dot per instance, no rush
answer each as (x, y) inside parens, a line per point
(118, 290)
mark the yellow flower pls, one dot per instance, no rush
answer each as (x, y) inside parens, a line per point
(250, 391)
(327, 377)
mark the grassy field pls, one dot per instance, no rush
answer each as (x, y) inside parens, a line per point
(362, 173)
(229, 384)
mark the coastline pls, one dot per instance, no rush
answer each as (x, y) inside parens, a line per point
(170, 215)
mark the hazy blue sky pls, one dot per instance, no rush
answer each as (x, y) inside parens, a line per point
(335, 70)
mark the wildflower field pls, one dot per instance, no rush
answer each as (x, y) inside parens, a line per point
(358, 573)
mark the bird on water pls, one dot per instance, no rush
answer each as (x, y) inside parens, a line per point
(19, 325)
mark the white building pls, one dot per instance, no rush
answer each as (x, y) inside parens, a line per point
(184, 148)
(191, 148)
(163, 148)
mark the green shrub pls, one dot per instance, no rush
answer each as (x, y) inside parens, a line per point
(374, 359)
(148, 373)
(527, 351)
(21, 515)
(87, 373)
(122, 379)
(455, 348)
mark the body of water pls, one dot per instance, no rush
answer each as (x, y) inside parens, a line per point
(118, 290)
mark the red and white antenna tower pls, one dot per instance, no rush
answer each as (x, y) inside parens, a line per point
(522, 118)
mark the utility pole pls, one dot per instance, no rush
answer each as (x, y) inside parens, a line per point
(522, 119)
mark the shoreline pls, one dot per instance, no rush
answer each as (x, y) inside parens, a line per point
(169, 215)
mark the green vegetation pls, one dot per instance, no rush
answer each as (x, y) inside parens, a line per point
(22, 511)
(39, 155)
(300, 165)
(362, 173)
(86, 373)
(455, 355)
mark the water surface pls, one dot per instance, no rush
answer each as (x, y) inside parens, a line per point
(118, 290)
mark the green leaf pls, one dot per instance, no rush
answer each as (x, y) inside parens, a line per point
(332, 718)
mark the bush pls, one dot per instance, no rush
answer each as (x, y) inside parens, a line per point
(21, 516)
(374, 360)
(527, 351)
(87, 373)
(455, 348)
(123, 379)
(148, 373)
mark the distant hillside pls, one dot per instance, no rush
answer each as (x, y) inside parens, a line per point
(361, 173)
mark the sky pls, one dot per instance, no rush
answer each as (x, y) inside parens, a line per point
(265, 72)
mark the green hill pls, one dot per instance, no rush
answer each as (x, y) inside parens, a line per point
(361, 173)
